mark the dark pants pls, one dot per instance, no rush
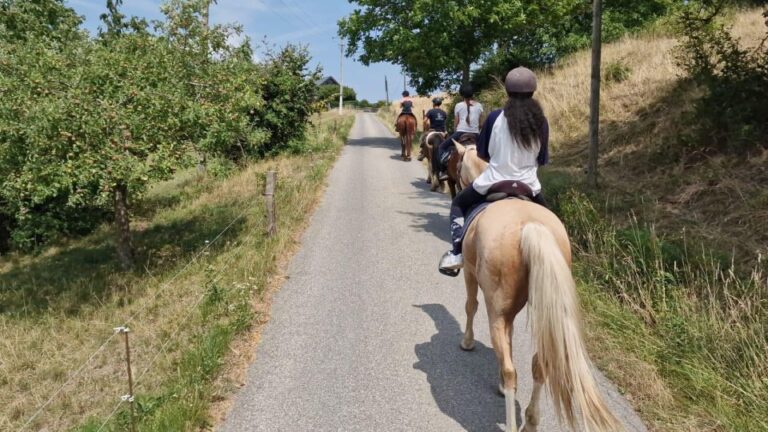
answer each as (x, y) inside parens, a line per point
(460, 207)
(440, 150)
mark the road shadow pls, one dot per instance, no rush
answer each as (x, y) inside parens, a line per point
(433, 222)
(464, 384)
(376, 142)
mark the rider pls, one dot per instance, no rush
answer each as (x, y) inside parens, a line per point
(466, 119)
(515, 143)
(434, 120)
(406, 107)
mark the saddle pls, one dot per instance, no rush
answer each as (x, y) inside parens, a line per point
(509, 189)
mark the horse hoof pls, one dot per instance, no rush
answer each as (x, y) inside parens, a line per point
(467, 347)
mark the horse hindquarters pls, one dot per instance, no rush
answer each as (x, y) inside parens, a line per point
(555, 320)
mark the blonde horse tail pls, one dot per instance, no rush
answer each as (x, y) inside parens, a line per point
(555, 319)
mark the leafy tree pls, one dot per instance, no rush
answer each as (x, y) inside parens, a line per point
(48, 20)
(90, 126)
(288, 91)
(434, 43)
(329, 94)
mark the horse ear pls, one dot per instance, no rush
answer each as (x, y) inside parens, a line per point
(459, 147)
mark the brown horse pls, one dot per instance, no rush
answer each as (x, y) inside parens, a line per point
(406, 127)
(429, 141)
(518, 252)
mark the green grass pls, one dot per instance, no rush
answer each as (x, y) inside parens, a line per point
(673, 324)
(59, 306)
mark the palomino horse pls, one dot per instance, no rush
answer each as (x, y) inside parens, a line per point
(519, 252)
(406, 127)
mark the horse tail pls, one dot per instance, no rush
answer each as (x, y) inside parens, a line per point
(555, 319)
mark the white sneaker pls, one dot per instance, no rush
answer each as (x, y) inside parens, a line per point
(449, 261)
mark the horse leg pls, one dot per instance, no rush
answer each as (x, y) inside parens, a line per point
(402, 146)
(532, 412)
(452, 187)
(409, 147)
(501, 335)
(470, 281)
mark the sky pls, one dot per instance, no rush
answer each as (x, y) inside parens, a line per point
(306, 22)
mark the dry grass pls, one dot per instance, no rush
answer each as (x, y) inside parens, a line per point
(46, 339)
(682, 334)
(642, 121)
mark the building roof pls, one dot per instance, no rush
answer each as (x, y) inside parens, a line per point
(327, 80)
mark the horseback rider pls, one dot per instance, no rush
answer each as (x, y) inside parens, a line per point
(406, 107)
(434, 120)
(466, 119)
(515, 142)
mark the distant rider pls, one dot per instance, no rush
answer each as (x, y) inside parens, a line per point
(466, 119)
(515, 143)
(434, 120)
(406, 107)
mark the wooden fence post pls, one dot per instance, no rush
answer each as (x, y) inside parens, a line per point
(269, 198)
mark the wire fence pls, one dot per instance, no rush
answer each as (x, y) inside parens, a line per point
(152, 300)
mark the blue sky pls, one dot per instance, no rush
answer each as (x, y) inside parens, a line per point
(308, 22)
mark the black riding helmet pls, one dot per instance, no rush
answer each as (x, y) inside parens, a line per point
(405, 93)
(437, 101)
(466, 91)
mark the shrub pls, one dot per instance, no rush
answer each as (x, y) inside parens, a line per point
(733, 112)
(616, 71)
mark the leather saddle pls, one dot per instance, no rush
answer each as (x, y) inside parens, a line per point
(509, 189)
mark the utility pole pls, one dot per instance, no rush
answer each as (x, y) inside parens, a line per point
(594, 104)
(341, 80)
(386, 89)
(404, 86)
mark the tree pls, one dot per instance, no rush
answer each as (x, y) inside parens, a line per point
(48, 20)
(329, 94)
(92, 124)
(434, 44)
(288, 90)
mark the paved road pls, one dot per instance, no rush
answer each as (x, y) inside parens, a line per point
(364, 336)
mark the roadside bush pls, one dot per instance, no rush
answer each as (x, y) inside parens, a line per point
(733, 113)
(288, 91)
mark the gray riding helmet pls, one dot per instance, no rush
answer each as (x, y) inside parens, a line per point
(520, 80)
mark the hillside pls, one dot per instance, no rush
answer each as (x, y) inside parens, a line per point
(644, 165)
(669, 249)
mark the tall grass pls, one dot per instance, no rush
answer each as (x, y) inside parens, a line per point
(58, 307)
(702, 327)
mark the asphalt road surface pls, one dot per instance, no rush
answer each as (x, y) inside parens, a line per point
(364, 335)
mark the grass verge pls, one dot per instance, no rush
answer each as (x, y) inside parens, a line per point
(672, 324)
(195, 294)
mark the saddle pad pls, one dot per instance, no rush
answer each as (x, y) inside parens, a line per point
(475, 211)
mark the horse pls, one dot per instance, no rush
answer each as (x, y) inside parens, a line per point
(518, 252)
(406, 127)
(429, 142)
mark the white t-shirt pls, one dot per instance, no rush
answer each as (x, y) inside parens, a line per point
(475, 111)
(509, 161)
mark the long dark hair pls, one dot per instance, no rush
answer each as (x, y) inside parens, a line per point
(467, 92)
(524, 118)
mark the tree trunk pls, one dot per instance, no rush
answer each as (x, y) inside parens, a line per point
(465, 74)
(123, 228)
(594, 105)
